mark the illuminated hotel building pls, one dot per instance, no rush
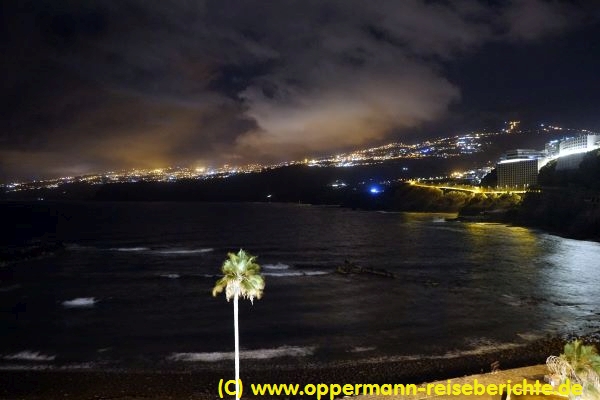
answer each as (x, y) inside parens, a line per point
(579, 144)
(518, 169)
(552, 148)
(572, 150)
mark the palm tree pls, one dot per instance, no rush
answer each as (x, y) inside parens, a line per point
(581, 357)
(241, 277)
(580, 364)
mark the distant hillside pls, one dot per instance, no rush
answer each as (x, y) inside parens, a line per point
(290, 184)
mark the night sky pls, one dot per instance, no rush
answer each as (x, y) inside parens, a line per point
(90, 86)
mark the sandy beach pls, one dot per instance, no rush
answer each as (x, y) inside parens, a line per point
(94, 384)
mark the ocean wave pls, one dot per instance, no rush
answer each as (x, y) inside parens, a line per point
(80, 302)
(479, 350)
(85, 365)
(491, 347)
(359, 349)
(29, 355)
(262, 354)
(530, 336)
(9, 288)
(295, 273)
(170, 276)
(511, 300)
(18, 367)
(129, 249)
(176, 251)
(75, 246)
(145, 249)
(278, 266)
(44, 367)
(282, 270)
(522, 301)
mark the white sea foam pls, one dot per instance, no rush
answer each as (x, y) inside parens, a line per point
(184, 251)
(30, 367)
(360, 349)
(262, 354)
(479, 350)
(278, 266)
(280, 274)
(170, 276)
(132, 249)
(87, 365)
(511, 300)
(29, 355)
(43, 367)
(295, 273)
(448, 227)
(9, 288)
(80, 302)
(75, 246)
(483, 349)
(531, 336)
(281, 270)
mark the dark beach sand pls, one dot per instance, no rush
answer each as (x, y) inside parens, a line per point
(94, 384)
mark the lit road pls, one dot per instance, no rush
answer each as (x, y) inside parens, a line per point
(470, 189)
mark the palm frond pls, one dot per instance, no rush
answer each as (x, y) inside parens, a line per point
(241, 276)
(579, 363)
(581, 356)
(219, 286)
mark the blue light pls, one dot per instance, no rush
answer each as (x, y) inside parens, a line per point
(375, 190)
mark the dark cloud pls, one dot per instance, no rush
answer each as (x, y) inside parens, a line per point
(99, 85)
(532, 19)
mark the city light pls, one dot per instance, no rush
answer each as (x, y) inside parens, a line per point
(445, 147)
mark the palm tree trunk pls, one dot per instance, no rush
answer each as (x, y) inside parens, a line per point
(237, 345)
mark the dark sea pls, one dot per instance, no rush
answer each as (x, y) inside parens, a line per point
(132, 290)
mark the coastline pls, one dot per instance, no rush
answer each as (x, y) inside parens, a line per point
(97, 383)
(518, 221)
(15, 253)
(87, 384)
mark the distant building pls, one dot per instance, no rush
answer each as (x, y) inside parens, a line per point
(579, 144)
(572, 150)
(518, 169)
(552, 148)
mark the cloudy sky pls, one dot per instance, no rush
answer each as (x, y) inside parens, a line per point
(97, 85)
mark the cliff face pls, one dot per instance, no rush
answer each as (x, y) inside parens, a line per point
(567, 211)
(568, 201)
(585, 176)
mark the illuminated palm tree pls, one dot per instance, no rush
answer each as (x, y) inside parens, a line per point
(241, 278)
(580, 364)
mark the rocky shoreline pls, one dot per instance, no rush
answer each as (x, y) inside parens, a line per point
(37, 249)
(87, 384)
